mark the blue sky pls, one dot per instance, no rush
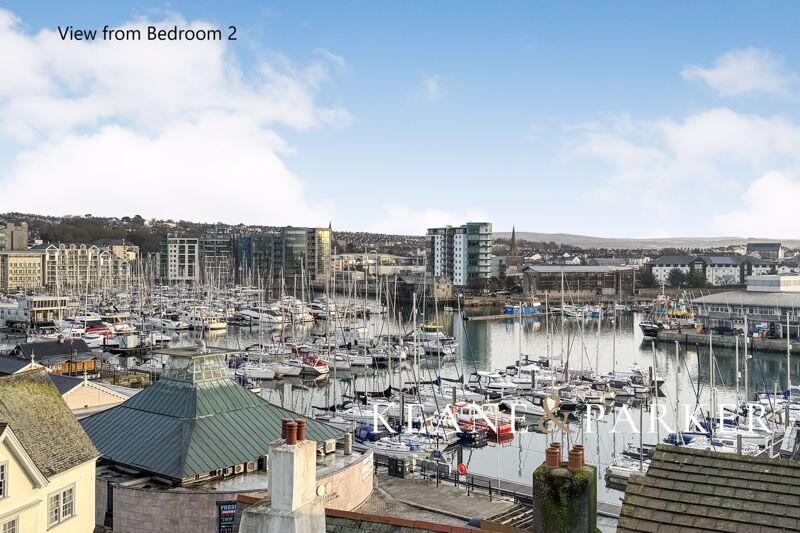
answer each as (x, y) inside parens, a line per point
(610, 119)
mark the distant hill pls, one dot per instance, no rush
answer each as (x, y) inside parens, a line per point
(584, 241)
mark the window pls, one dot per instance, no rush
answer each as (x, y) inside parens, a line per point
(11, 526)
(60, 506)
(3, 479)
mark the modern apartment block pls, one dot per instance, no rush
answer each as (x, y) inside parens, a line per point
(180, 259)
(13, 236)
(461, 254)
(289, 253)
(216, 257)
(302, 252)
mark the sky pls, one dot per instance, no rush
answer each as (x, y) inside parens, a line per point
(618, 119)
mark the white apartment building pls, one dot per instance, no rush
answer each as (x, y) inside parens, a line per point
(461, 254)
(180, 259)
(78, 266)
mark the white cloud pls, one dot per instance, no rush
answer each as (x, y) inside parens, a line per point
(745, 71)
(168, 129)
(769, 210)
(682, 176)
(430, 90)
(404, 220)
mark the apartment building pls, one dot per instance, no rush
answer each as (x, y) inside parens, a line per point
(290, 252)
(461, 254)
(21, 270)
(180, 259)
(216, 257)
(78, 266)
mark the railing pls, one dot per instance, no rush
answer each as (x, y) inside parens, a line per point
(518, 492)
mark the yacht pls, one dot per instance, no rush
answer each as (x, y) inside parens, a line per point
(490, 382)
(203, 318)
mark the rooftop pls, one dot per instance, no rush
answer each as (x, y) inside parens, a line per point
(752, 299)
(33, 407)
(699, 490)
(192, 421)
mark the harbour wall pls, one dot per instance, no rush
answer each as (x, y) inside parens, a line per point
(755, 344)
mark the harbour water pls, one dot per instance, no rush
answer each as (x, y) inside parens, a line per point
(495, 344)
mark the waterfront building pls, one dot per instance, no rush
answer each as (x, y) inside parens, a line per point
(770, 251)
(180, 259)
(80, 266)
(767, 303)
(62, 356)
(579, 281)
(35, 310)
(692, 489)
(47, 463)
(195, 438)
(13, 236)
(216, 257)
(289, 253)
(21, 270)
(717, 271)
(461, 254)
(302, 252)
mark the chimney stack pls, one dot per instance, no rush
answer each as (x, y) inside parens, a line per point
(301, 429)
(565, 494)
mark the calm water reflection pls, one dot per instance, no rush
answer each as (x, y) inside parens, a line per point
(494, 344)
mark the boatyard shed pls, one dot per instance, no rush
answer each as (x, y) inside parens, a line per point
(62, 356)
(194, 423)
(688, 489)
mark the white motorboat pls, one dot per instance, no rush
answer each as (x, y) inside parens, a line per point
(257, 370)
(491, 382)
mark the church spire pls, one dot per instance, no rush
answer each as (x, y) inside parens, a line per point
(513, 240)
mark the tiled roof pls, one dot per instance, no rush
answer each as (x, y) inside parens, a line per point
(699, 490)
(40, 418)
(192, 421)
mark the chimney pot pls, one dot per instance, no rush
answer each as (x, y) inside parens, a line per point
(301, 429)
(574, 462)
(284, 422)
(291, 433)
(552, 457)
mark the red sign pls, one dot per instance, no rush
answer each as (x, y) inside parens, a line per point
(462, 469)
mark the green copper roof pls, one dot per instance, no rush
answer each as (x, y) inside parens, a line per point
(193, 421)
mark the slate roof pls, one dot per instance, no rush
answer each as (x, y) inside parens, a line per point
(700, 490)
(32, 406)
(194, 420)
(9, 365)
(55, 352)
(673, 260)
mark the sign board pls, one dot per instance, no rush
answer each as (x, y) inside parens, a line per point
(226, 517)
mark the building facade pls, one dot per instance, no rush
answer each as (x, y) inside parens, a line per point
(718, 271)
(13, 236)
(461, 254)
(78, 266)
(287, 253)
(579, 280)
(47, 463)
(180, 259)
(21, 270)
(771, 251)
(216, 257)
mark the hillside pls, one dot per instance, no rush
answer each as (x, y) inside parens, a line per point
(585, 241)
